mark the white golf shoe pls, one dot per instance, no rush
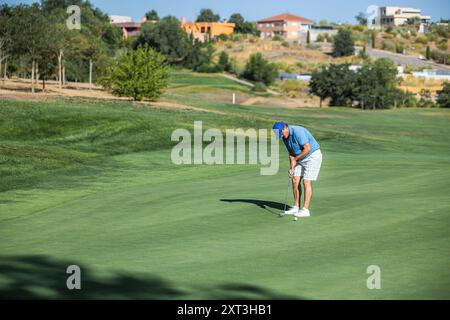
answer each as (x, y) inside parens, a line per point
(302, 213)
(291, 211)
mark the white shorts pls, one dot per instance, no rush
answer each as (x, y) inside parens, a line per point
(309, 168)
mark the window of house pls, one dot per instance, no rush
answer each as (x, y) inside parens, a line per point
(202, 29)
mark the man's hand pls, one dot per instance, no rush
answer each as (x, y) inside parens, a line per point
(291, 172)
(292, 166)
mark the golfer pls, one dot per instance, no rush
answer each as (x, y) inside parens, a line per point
(305, 160)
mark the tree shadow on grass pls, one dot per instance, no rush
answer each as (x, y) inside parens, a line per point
(261, 203)
(42, 277)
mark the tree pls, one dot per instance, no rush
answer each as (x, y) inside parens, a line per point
(376, 84)
(414, 21)
(361, 18)
(340, 82)
(343, 44)
(242, 26)
(238, 20)
(167, 37)
(5, 36)
(428, 53)
(320, 85)
(207, 15)
(152, 15)
(141, 73)
(260, 70)
(224, 63)
(373, 38)
(443, 96)
(27, 25)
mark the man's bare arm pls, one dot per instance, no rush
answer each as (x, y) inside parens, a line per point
(306, 150)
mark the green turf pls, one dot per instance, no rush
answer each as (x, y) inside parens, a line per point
(92, 184)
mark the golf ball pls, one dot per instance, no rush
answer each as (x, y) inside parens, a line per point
(295, 218)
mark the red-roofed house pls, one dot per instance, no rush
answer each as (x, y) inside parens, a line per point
(285, 25)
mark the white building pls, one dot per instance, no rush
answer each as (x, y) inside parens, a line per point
(432, 74)
(397, 16)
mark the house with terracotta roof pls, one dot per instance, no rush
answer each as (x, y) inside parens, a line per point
(128, 26)
(207, 30)
(286, 25)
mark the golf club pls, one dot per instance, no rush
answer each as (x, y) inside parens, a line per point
(286, 196)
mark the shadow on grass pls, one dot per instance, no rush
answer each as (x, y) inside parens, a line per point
(263, 204)
(42, 277)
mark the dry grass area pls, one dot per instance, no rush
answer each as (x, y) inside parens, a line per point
(294, 58)
(20, 89)
(415, 85)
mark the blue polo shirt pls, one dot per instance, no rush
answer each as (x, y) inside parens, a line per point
(298, 137)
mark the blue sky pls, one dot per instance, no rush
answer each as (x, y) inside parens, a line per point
(331, 10)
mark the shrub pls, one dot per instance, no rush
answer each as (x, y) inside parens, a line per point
(320, 37)
(277, 38)
(291, 88)
(425, 99)
(224, 63)
(259, 87)
(141, 73)
(223, 37)
(359, 28)
(260, 70)
(314, 46)
(343, 44)
(388, 45)
(440, 56)
(443, 96)
(443, 45)
(399, 47)
(209, 68)
(285, 44)
(421, 40)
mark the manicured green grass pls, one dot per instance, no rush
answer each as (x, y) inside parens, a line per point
(92, 184)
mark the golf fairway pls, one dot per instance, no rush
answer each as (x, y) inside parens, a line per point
(140, 227)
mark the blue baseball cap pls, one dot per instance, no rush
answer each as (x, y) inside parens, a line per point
(278, 128)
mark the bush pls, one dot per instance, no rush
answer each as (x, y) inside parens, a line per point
(277, 38)
(314, 46)
(388, 45)
(223, 37)
(259, 87)
(343, 44)
(320, 37)
(285, 44)
(440, 56)
(422, 40)
(224, 63)
(399, 47)
(209, 68)
(443, 96)
(291, 88)
(425, 99)
(359, 28)
(443, 45)
(141, 73)
(260, 70)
